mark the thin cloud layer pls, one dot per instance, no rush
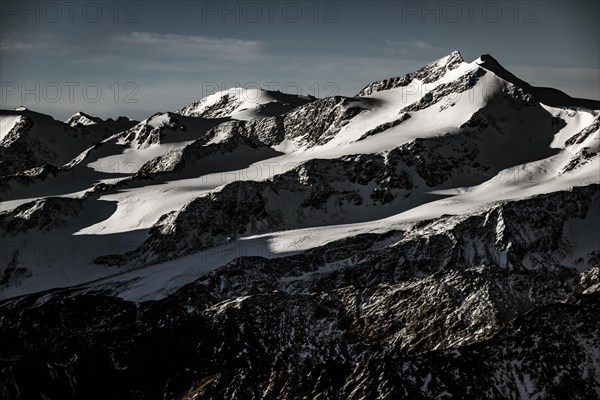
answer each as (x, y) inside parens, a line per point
(174, 39)
(187, 47)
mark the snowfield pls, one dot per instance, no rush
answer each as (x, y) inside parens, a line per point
(524, 155)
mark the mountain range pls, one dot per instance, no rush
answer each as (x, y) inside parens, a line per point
(433, 236)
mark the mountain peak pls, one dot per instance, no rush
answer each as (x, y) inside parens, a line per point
(244, 103)
(81, 118)
(430, 73)
(549, 96)
(455, 56)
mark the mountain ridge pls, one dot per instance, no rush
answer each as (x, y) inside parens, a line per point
(428, 237)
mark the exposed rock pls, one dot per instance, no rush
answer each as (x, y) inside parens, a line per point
(318, 122)
(428, 74)
(385, 127)
(43, 215)
(460, 85)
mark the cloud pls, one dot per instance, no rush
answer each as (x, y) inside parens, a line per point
(419, 44)
(413, 47)
(18, 46)
(95, 59)
(16, 42)
(186, 53)
(191, 47)
(172, 39)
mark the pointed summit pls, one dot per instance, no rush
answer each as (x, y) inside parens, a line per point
(81, 118)
(454, 58)
(491, 64)
(549, 96)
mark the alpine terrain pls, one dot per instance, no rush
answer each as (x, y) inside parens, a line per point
(434, 236)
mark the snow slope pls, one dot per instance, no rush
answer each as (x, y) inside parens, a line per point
(464, 136)
(7, 122)
(244, 103)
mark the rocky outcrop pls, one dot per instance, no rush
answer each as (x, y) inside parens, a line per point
(262, 103)
(318, 122)
(428, 74)
(44, 215)
(344, 315)
(460, 85)
(324, 190)
(384, 127)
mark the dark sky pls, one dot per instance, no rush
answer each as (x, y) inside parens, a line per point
(135, 58)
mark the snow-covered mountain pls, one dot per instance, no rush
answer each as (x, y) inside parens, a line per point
(81, 118)
(433, 236)
(244, 103)
(31, 140)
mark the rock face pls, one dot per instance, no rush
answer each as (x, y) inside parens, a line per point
(43, 215)
(311, 124)
(537, 354)
(82, 118)
(20, 153)
(376, 315)
(165, 128)
(227, 137)
(318, 122)
(36, 140)
(384, 127)
(422, 246)
(485, 296)
(428, 74)
(322, 190)
(464, 83)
